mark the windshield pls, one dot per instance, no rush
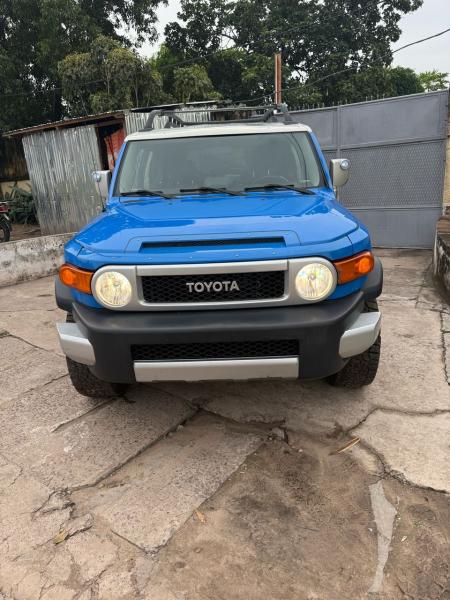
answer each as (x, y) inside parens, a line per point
(230, 162)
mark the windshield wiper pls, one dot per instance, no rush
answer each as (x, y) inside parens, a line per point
(283, 186)
(156, 193)
(213, 189)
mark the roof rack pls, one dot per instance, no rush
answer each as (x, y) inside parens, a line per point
(217, 116)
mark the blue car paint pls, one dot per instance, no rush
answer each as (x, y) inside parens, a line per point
(311, 225)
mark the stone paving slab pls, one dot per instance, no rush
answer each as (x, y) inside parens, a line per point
(415, 447)
(153, 496)
(25, 367)
(37, 327)
(20, 532)
(88, 449)
(35, 415)
(30, 295)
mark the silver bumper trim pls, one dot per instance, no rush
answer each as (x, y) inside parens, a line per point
(361, 335)
(203, 370)
(75, 344)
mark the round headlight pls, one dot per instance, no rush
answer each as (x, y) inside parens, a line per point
(113, 289)
(314, 281)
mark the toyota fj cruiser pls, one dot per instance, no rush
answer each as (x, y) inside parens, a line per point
(222, 253)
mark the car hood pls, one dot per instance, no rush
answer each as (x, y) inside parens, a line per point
(156, 227)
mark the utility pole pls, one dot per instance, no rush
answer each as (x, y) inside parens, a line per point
(278, 78)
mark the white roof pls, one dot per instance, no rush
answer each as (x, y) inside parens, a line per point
(208, 129)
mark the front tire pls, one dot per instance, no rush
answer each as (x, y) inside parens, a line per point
(362, 368)
(88, 384)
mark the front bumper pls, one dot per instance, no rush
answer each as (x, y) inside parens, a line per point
(328, 334)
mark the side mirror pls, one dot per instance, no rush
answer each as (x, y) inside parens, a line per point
(102, 179)
(339, 170)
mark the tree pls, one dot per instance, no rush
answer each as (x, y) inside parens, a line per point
(192, 83)
(316, 39)
(434, 80)
(378, 82)
(108, 77)
(405, 81)
(35, 35)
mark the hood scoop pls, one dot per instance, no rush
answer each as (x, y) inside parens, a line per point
(236, 244)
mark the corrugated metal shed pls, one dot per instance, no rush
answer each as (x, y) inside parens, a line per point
(60, 164)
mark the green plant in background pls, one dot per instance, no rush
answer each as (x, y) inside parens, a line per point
(192, 83)
(108, 77)
(22, 208)
(434, 80)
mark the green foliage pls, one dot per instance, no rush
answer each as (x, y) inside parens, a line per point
(108, 77)
(35, 35)
(315, 39)
(239, 75)
(69, 57)
(377, 83)
(432, 81)
(192, 83)
(21, 205)
(404, 81)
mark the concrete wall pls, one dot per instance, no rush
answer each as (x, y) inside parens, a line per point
(32, 258)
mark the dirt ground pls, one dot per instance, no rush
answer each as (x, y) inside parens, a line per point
(23, 232)
(229, 491)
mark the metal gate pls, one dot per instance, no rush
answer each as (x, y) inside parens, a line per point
(397, 151)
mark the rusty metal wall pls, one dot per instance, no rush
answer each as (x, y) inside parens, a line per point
(60, 163)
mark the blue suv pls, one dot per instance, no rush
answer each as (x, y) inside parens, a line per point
(222, 253)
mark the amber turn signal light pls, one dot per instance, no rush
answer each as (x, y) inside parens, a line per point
(354, 267)
(80, 279)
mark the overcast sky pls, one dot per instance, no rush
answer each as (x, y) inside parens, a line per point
(433, 16)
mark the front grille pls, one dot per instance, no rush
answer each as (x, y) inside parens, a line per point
(213, 288)
(215, 350)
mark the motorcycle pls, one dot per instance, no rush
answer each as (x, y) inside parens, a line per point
(5, 223)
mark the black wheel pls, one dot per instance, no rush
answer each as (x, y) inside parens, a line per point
(362, 368)
(5, 232)
(88, 384)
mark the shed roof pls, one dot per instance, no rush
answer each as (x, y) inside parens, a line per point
(64, 123)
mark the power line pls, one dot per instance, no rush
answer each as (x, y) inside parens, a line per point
(346, 70)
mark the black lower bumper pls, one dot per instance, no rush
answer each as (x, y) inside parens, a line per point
(317, 328)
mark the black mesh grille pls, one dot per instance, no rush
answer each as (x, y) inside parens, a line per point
(228, 242)
(213, 288)
(205, 351)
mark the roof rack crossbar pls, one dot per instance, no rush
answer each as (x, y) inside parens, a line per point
(175, 120)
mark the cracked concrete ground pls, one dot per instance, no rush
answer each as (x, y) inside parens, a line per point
(228, 490)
